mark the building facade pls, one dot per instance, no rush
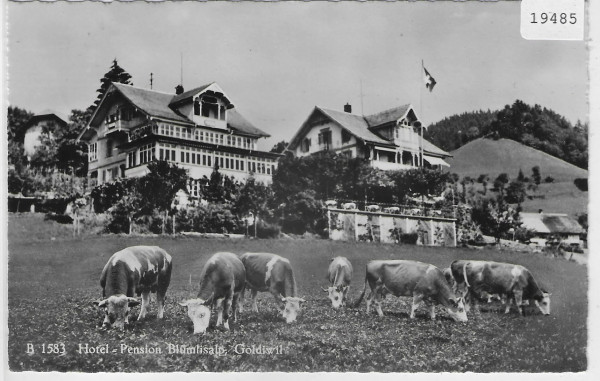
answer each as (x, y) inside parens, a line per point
(196, 130)
(45, 122)
(390, 139)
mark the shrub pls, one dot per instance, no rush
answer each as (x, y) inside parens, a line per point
(549, 179)
(409, 238)
(267, 230)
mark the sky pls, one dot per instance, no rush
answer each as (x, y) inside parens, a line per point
(277, 61)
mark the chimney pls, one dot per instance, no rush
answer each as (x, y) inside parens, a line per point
(540, 211)
(178, 89)
(348, 108)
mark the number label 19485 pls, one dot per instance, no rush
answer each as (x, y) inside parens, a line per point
(552, 19)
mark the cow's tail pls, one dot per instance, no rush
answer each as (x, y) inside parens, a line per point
(465, 274)
(362, 295)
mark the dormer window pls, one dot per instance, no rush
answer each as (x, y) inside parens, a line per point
(209, 107)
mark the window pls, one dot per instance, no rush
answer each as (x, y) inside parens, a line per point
(131, 159)
(127, 113)
(305, 145)
(146, 153)
(210, 107)
(346, 136)
(182, 157)
(93, 151)
(325, 139)
(222, 113)
(109, 147)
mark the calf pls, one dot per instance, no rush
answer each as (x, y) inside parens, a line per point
(339, 275)
(222, 281)
(481, 279)
(349, 206)
(272, 273)
(422, 281)
(373, 208)
(134, 270)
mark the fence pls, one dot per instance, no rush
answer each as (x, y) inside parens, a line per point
(355, 225)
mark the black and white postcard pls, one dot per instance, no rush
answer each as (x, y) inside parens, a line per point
(301, 187)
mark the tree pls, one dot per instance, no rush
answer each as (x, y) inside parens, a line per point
(515, 192)
(17, 119)
(536, 176)
(215, 191)
(253, 198)
(116, 74)
(159, 187)
(279, 147)
(500, 183)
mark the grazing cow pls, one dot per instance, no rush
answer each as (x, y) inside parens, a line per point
(392, 210)
(349, 206)
(422, 281)
(272, 273)
(134, 270)
(373, 208)
(449, 278)
(340, 276)
(222, 281)
(482, 279)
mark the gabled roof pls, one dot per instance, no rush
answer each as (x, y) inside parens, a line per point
(363, 128)
(551, 223)
(46, 115)
(154, 103)
(158, 104)
(391, 115)
(355, 124)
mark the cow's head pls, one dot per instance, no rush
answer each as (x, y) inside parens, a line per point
(198, 310)
(116, 310)
(456, 309)
(544, 303)
(292, 308)
(336, 295)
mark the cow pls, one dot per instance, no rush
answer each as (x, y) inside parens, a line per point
(422, 281)
(392, 210)
(272, 273)
(339, 275)
(449, 278)
(133, 271)
(373, 208)
(481, 279)
(349, 206)
(222, 281)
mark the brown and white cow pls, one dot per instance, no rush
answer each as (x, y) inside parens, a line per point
(480, 279)
(272, 273)
(424, 282)
(222, 281)
(339, 275)
(133, 271)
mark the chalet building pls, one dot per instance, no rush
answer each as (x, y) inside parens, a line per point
(552, 225)
(390, 139)
(43, 123)
(195, 129)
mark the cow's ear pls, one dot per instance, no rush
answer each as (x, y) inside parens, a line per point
(282, 298)
(184, 303)
(301, 300)
(99, 303)
(133, 301)
(324, 289)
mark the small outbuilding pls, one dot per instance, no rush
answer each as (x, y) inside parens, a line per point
(546, 225)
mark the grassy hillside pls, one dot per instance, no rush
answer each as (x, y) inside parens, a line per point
(56, 308)
(492, 157)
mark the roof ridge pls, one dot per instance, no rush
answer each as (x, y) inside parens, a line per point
(389, 109)
(141, 88)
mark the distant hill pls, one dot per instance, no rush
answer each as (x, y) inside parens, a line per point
(493, 157)
(535, 126)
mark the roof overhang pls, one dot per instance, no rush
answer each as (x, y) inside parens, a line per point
(435, 161)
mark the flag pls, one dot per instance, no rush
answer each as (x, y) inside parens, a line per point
(428, 79)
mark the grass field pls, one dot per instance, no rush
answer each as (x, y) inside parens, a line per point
(53, 281)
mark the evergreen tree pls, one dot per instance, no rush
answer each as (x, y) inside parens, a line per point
(116, 74)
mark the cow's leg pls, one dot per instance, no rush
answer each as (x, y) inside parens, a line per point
(144, 307)
(370, 300)
(345, 296)
(254, 295)
(236, 305)
(378, 302)
(509, 298)
(475, 299)
(518, 295)
(160, 301)
(226, 311)
(417, 299)
(432, 311)
(219, 312)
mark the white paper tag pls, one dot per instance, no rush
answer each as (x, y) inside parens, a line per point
(552, 19)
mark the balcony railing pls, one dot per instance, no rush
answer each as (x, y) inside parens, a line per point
(390, 166)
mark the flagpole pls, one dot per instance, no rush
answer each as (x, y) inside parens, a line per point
(421, 114)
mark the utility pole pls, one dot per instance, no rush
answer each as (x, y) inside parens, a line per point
(150, 81)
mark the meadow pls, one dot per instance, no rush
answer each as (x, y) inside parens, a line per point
(53, 279)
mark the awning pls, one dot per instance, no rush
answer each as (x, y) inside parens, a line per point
(435, 161)
(386, 149)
